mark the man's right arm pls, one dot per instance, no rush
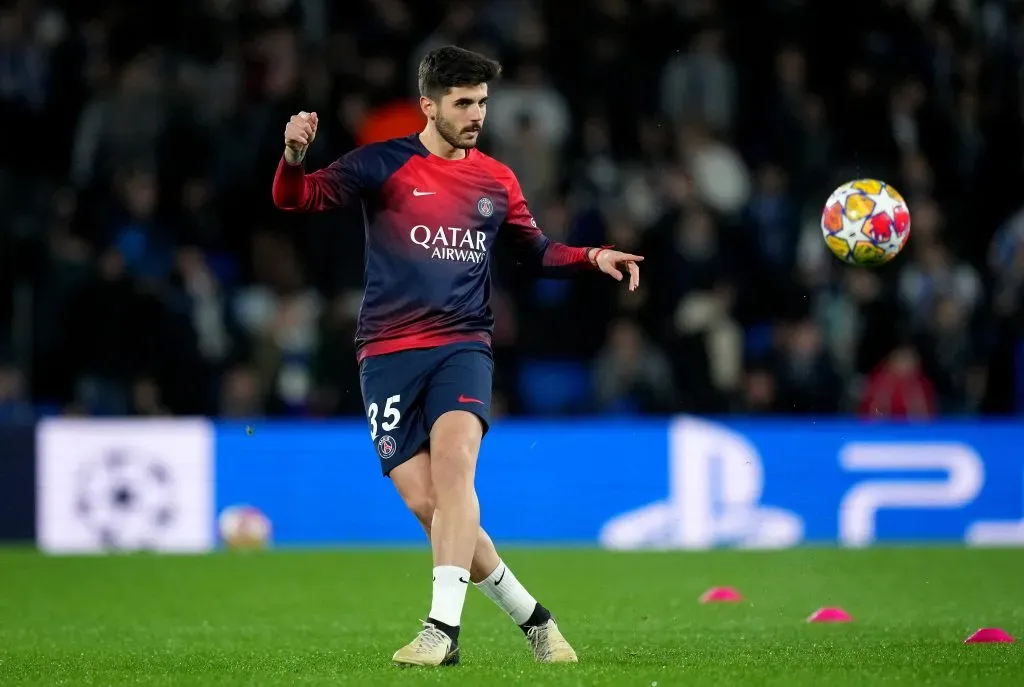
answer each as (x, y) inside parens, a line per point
(334, 186)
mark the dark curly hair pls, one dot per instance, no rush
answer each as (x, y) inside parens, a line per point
(445, 68)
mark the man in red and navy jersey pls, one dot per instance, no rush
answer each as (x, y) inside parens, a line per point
(433, 205)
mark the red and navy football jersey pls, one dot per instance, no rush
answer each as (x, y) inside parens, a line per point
(430, 225)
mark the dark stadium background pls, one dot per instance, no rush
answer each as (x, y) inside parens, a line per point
(145, 270)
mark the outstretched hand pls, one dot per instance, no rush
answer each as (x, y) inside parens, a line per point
(612, 262)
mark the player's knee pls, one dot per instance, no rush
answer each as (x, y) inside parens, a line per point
(454, 444)
(457, 454)
(454, 465)
(422, 506)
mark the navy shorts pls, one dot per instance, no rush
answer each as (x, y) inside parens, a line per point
(405, 392)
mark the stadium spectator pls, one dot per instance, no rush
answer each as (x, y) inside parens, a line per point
(898, 388)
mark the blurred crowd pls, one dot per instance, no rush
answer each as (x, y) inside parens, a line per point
(147, 272)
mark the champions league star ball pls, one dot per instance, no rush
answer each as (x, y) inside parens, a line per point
(865, 222)
(244, 527)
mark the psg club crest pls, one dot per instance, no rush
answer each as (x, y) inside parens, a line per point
(386, 446)
(485, 206)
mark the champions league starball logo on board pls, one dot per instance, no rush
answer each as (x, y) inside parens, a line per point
(123, 485)
(126, 498)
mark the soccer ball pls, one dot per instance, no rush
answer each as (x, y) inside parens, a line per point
(865, 222)
(244, 527)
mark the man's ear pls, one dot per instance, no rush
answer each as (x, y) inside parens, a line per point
(428, 107)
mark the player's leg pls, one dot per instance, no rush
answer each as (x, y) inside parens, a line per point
(455, 403)
(413, 483)
(454, 444)
(392, 387)
(488, 572)
(457, 409)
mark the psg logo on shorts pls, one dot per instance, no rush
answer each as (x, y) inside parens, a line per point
(485, 206)
(386, 446)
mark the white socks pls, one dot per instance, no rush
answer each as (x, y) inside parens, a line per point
(502, 587)
(450, 585)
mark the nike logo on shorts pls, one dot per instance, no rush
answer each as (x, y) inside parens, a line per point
(467, 399)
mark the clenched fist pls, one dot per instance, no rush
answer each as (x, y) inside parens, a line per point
(298, 135)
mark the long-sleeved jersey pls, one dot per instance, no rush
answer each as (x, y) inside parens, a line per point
(430, 227)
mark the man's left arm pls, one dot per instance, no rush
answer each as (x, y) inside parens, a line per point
(555, 260)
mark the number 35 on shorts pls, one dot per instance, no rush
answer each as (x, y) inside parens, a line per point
(390, 417)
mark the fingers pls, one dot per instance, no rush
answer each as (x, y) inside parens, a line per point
(312, 119)
(301, 129)
(309, 117)
(614, 258)
(305, 126)
(297, 136)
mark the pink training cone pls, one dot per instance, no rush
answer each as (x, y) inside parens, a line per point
(720, 594)
(830, 615)
(989, 635)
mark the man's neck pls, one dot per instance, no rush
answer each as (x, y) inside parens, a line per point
(438, 146)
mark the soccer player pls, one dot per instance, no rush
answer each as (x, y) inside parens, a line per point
(432, 206)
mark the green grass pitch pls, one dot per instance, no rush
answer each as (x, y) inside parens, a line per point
(335, 617)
